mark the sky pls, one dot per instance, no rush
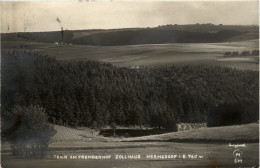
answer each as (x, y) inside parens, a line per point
(31, 16)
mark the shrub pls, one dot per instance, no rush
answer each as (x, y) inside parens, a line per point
(227, 54)
(32, 134)
(255, 53)
(245, 53)
(235, 53)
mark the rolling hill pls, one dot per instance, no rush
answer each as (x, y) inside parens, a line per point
(204, 33)
(236, 133)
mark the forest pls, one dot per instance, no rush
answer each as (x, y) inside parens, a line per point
(96, 94)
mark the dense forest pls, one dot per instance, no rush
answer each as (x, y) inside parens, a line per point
(95, 94)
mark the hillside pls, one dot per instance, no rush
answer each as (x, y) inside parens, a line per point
(236, 133)
(65, 134)
(205, 33)
(214, 154)
(156, 36)
(72, 138)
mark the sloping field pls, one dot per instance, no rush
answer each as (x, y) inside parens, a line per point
(84, 138)
(65, 134)
(243, 133)
(214, 154)
(148, 54)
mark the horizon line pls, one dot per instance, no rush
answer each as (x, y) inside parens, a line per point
(133, 27)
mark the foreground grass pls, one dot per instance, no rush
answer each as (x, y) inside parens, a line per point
(214, 154)
(85, 138)
(236, 133)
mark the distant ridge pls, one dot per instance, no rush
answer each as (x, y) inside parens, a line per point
(196, 33)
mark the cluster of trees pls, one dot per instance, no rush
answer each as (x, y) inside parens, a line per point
(243, 53)
(28, 130)
(94, 94)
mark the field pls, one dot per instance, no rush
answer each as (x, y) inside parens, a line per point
(214, 153)
(149, 54)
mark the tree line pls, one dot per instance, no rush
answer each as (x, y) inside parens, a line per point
(243, 53)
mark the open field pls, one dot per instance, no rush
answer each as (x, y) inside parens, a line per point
(241, 133)
(85, 137)
(65, 134)
(215, 153)
(149, 54)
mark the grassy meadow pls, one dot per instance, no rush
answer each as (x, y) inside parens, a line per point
(149, 54)
(69, 142)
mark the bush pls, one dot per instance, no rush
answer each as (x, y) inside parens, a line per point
(30, 133)
(255, 53)
(245, 53)
(227, 54)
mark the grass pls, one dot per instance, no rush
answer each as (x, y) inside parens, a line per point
(65, 134)
(149, 54)
(81, 136)
(86, 139)
(214, 154)
(243, 133)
